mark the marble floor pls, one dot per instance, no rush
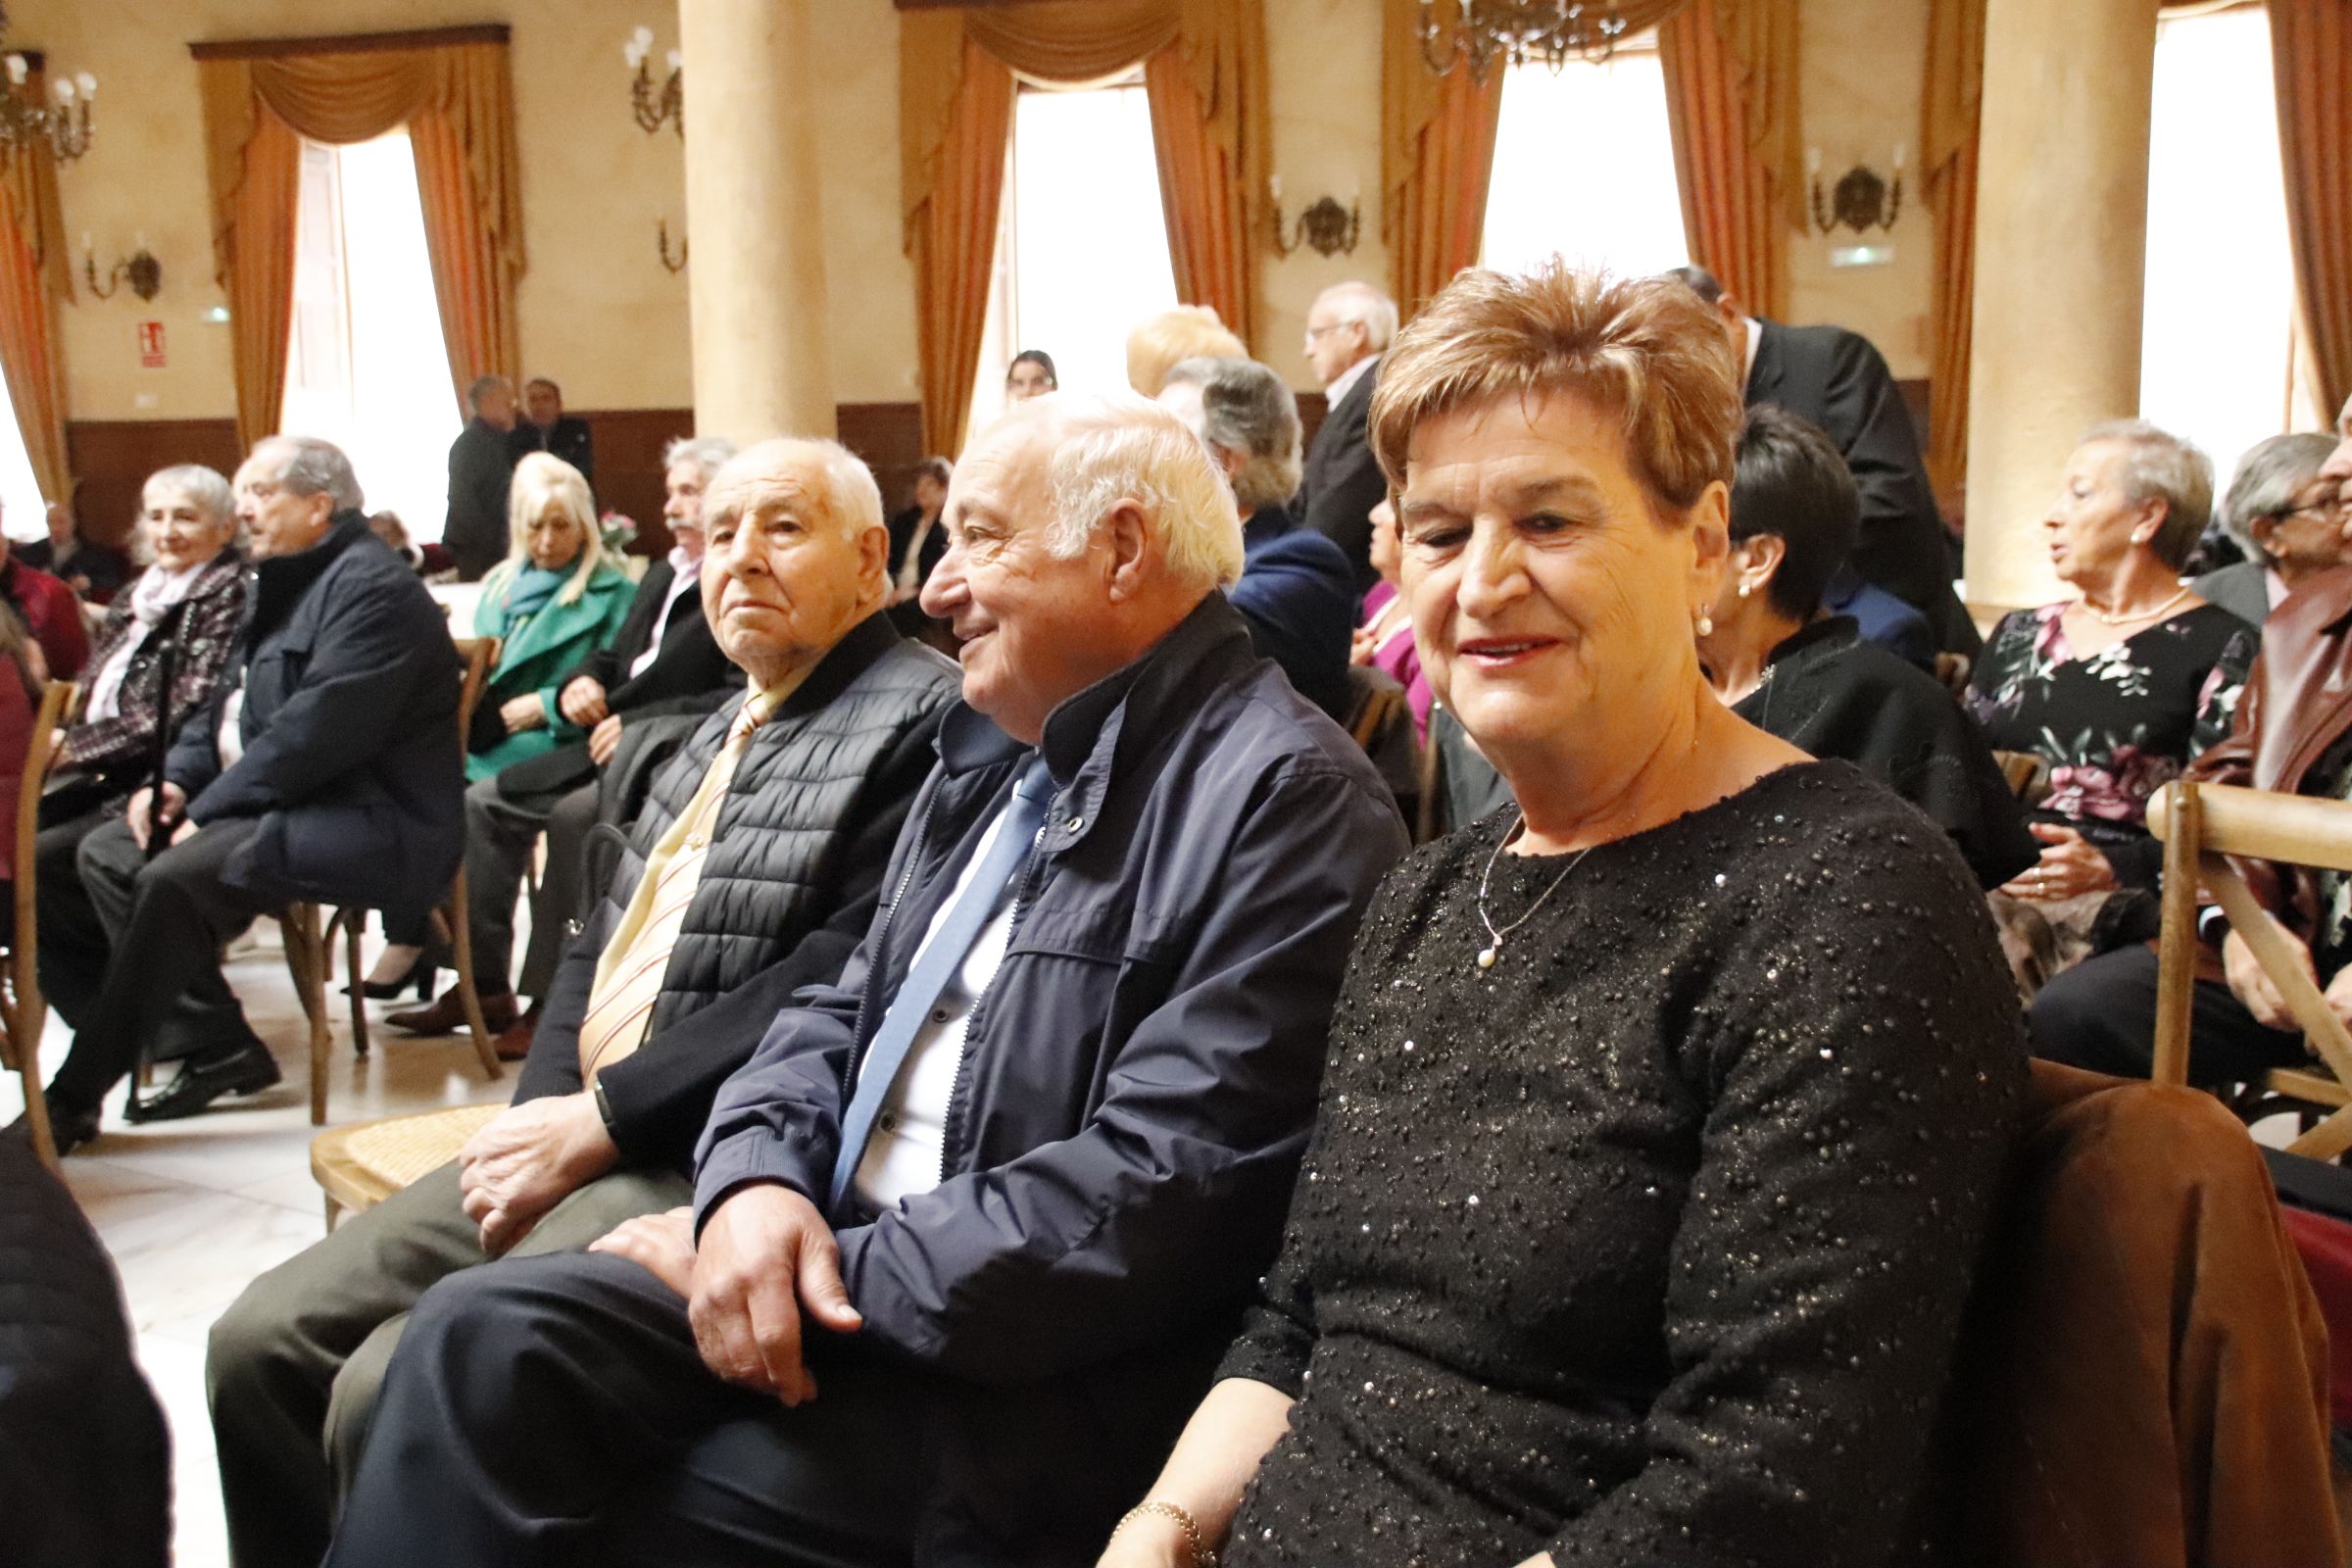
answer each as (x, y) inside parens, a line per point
(193, 1210)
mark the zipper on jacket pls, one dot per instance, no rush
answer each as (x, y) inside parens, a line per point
(1025, 892)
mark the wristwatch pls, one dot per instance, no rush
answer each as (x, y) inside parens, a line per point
(604, 1106)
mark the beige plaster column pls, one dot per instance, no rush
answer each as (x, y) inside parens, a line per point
(761, 364)
(2062, 228)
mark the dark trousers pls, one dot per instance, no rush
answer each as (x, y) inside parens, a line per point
(563, 889)
(163, 924)
(500, 834)
(553, 1410)
(2101, 1015)
(75, 943)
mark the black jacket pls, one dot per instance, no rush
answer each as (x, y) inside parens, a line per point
(689, 675)
(792, 879)
(85, 1467)
(1300, 600)
(1829, 693)
(1837, 379)
(1343, 482)
(567, 439)
(935, 543)
(480, 464)
(350, 725)
(1136, 1085)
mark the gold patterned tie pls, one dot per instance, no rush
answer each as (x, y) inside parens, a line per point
(629, 974)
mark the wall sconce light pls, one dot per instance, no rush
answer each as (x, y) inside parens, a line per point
(1861, 201)
(1326, 226)
(139, 268)
(662, 239)
(652, 105)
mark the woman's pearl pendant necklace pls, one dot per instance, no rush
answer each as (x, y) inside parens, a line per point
(1492, 954)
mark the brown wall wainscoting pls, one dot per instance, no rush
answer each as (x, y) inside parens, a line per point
(113, 458)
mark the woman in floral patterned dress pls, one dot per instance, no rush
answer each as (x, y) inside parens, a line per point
(2115, 688)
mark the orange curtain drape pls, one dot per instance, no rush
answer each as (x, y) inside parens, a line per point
(457, 100)
(1437, 152)
(35, 273)
(2311, 52)
(1205, 69)
(1950, 115)
(1732, 104)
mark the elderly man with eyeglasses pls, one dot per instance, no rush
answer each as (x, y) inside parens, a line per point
(2292, 734)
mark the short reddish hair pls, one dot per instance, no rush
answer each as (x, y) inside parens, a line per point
(1648, 349)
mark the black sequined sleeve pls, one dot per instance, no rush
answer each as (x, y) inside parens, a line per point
(1860, 1052)
(1278, 1336)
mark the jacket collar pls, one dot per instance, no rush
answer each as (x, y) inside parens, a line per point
(1082, 736)
(1830, 634)
(280, 581)
(844, 663)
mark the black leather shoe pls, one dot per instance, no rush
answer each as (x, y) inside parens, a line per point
(247, 1070)
(70, 1126)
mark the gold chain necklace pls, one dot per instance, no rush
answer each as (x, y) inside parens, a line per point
(2105, 619)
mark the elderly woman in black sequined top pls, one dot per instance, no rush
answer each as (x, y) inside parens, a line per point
(1663, 1115)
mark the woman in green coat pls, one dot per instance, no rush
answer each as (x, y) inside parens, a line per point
(554, 601)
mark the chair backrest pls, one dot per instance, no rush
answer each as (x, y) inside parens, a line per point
(480, 655)
(1374, 700)
(56, 702)
(2199, 825)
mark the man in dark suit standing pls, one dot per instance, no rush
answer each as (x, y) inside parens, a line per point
(480, 463)
(663, 665)
(1347, 330)
(1837, 379)
(546, 427)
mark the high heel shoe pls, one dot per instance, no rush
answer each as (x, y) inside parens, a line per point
(425, 974)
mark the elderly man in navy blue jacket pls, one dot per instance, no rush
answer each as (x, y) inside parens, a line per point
(326, 768)
(1004, 1189)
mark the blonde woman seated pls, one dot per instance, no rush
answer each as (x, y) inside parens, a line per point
(554, 601)
(1655, 1145)
(1160, 344)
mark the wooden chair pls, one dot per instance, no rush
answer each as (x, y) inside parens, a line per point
(359, 1167)
(2028, 775)
(1375, 703)
(309, 939)
(23, 1013)
(2199, 825)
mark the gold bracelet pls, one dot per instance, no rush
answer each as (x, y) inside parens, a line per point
(1202, 1557)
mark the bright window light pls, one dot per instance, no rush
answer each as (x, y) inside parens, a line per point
(366, 366)
(1081, 249)
(1584, 167)
(24, 514)
(2217, 337)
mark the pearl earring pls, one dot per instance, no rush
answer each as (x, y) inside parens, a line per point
(1706, 623)
(1743, 590)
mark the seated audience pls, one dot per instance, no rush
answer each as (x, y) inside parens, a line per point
(1791, 669)
(1347, 330)
(1030, 375)
(324, 767)
(1296, 591)
(2290, 735)
(85, 1461)
(753, 872)
(1187, 332)
(662, 663)
(1385, 640)
(1838, 380)
(1644, 1202)
(480, 462)
(546, 427)
(555, 601)
(916, 540)
(162, 652)
(2283, 512)
(2117, 688)
(51, 612)
(1001, 1190)
(92, 570)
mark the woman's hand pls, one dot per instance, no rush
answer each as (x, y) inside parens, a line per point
(2252, 985)
(1362, 644)
(2070, 865)
(523, 712)
(1148, 1541)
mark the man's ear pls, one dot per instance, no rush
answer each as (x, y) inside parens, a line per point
(1129, 534)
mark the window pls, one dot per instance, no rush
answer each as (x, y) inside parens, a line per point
(1082, 248)
(365, 363)
(2216, 333)
(1583, 165)
(23, 513)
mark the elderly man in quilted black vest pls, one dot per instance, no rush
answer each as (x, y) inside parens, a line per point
(754, 870)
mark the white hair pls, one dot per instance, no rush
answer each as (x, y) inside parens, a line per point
(848, 496)
(709, 453)
(1361, 303)
(312, 468)
(1122, 447)
(2159, 466)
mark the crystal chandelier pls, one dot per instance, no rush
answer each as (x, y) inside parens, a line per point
(1517, 31)
(25, 121)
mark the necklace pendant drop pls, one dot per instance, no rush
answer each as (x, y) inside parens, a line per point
(1488, 956)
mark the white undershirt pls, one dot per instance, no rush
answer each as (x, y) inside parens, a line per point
(687, 577)
(230, 738)
(1344, 382)
(904, 1153)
